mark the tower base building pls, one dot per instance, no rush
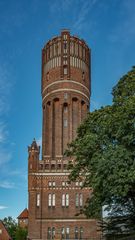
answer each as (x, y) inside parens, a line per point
(66, 86)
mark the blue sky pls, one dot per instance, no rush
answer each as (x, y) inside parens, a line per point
(108, 26)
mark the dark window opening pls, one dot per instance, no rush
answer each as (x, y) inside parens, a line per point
(76, 233)
(59, 166)
(49, 233)
(47, 76)
(83, 76)
(52, 166)
(46, 166)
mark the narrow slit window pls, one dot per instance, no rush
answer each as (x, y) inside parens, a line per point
(65, 70)
(53, 200)
(49, 200)
(81, 200)
(49, 184)
(81, 232)
(53, 183)
(67, 233)
(49, 233)
(67, 200)
(63, 233)
(65, 122)
(38, 199)
(76, 233)
(65, 95)
(63, 200)
(77, 200)
(53, 233)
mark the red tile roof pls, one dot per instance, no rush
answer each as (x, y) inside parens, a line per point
(24, 214)
(4, 235)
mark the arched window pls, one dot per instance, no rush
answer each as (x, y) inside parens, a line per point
(81, 200)
(53, 200)
(63, 200)
(47, 76)
(81, 232)
(49, 200)
(77, 200)
(65, 107)
(49, 233)
(65, 122)
(63, 233)
(83, 76)
(65, 70)
(53, 233)
(38, 199)
(76, 233)
(67, 200)
(67, 233)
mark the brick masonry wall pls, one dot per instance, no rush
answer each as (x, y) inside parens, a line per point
(66, 87)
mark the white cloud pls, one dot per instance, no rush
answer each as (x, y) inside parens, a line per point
(4, 157)
(7, 185)
(2, 207)
(81, 19)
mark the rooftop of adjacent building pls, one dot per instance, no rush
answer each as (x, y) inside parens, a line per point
(34, 145)
(4, 232)
(23, 214)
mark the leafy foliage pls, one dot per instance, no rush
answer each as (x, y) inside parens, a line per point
(16, 232)
(11, 226)
(104, 153)
(21, 233)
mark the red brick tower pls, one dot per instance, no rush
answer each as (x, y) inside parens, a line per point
(53, 203)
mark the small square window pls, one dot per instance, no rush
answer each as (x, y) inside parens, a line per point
(0, 231)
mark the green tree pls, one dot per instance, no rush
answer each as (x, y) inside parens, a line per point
(104, 153)
(16, 232)
(11, 226)
(21, 233)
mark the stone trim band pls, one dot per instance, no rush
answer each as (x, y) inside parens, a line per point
(66, 81)
(66, 89)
